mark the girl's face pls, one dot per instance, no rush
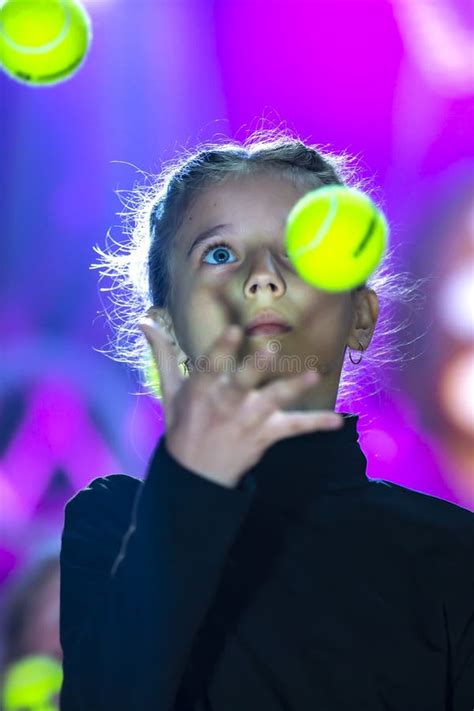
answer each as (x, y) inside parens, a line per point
(253, 272)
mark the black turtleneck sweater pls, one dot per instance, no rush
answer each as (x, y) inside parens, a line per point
(308, 587)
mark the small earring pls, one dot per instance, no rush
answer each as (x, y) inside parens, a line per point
(361, 354)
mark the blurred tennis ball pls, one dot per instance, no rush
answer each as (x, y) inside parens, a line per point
(32, 682)
(43, 42)
(335, 237)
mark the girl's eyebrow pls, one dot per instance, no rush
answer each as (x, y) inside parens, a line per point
(207, 234)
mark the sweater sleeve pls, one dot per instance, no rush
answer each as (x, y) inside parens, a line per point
(458, 575)
(133, 596)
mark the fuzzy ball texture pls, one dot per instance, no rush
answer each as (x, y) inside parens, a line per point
(43, 42)
(336, 237)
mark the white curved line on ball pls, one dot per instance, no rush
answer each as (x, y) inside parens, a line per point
(323, 230)
(44, 47)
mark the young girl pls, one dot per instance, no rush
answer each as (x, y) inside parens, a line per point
(256, 567)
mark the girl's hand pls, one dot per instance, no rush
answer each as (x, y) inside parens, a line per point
(218, 424)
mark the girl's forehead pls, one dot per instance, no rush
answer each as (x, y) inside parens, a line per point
(245, 196)
(247, 186)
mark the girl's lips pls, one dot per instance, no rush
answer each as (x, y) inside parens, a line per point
(268, 329)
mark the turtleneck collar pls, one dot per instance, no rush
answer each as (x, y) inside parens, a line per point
(294, 470)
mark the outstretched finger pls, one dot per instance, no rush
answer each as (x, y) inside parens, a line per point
(282, 391)
(171, 377)
(245, 372)
(290, 424)
(221, 357)
(231, 314)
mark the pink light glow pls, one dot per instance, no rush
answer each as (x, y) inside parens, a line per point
(56, 431)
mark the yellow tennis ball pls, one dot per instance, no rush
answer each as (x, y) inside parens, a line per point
(335, 237)
(43, 42)
(32, 682)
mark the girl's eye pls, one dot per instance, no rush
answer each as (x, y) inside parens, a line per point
(220, 249)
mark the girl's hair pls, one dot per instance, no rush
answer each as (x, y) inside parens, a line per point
(141, 271)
